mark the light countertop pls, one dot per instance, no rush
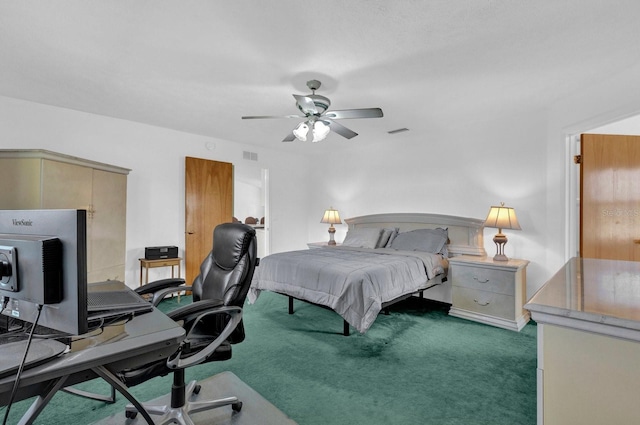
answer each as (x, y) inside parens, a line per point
(595, 295)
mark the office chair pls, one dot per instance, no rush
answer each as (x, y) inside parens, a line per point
(213, 321)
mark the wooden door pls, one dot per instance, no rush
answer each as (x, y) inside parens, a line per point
(208, 202)
(610, 197)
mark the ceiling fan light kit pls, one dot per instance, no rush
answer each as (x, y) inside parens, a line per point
(301, 131)
(319, 131)
(318, 120)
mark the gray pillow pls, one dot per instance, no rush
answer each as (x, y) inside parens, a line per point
(426, 240)
(385, 234)
(392, 237)
(364, 237)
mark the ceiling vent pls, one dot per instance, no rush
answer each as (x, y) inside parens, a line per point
(399, 130)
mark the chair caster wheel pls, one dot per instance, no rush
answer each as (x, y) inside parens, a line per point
(130, 415)
(197, 388)
(237, 406)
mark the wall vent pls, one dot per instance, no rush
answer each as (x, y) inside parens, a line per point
(250, 156)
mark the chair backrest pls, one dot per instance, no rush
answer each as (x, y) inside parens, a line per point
(227, 271)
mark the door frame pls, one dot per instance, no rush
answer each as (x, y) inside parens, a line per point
(572, 200)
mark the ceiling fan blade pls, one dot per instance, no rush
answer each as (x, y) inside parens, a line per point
(260, 117)
(341, 129)
(306, 105)
(354, 113)
(290, 137)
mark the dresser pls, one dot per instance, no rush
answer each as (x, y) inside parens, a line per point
(488, 291)
(588, 317)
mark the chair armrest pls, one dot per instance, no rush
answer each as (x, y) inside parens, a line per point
(197, 307)
(157, 285)
(162, 288)
(235, 314)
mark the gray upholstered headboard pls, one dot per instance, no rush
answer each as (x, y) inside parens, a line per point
(465, 234)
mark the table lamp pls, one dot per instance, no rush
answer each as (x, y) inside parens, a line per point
(332, 217)
(501, 218)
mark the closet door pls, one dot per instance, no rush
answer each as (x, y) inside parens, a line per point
(208, 202)
(610, 197)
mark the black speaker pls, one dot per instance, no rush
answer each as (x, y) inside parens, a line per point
(160, 252)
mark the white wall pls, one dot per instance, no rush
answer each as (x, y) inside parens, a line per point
(463, 167)
(155, 186)
(628, 126)
(459, 168)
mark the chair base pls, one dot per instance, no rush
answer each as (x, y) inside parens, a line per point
(165, 414)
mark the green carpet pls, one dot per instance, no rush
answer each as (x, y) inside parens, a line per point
(415, 366)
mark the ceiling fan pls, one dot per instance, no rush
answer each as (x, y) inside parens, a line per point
(319, 122)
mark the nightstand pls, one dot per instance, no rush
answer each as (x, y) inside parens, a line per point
(487, 291)
(321, 244)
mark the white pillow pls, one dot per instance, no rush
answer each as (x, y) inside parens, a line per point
(363, 237)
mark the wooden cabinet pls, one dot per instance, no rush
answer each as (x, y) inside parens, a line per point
(39, 179)
(487, 291)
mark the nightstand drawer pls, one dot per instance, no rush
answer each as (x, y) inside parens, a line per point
(483, 302)
(498, 281)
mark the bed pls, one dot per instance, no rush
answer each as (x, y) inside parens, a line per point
(383, 259)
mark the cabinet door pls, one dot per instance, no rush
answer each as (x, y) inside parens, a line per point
(107, 233)
(103, 195)
(66, 186)
(20, 178)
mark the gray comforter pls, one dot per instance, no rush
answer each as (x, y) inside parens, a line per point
(354, 282)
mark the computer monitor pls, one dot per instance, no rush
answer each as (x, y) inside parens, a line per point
(43, 260)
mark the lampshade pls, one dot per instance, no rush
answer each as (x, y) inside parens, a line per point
(501, 218)
(332, 217)
(301, 131)
(320, 131)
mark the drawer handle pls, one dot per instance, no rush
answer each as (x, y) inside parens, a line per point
(481, 304)
(481, 280)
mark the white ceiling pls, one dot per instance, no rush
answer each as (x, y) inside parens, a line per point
(199, 65)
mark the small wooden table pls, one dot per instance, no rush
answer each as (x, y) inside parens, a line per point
(162, 262)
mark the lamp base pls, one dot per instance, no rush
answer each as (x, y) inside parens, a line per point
(500, 240)
(332, 231)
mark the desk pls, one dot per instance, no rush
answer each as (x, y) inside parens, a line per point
(163, 262)
(144, 338)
